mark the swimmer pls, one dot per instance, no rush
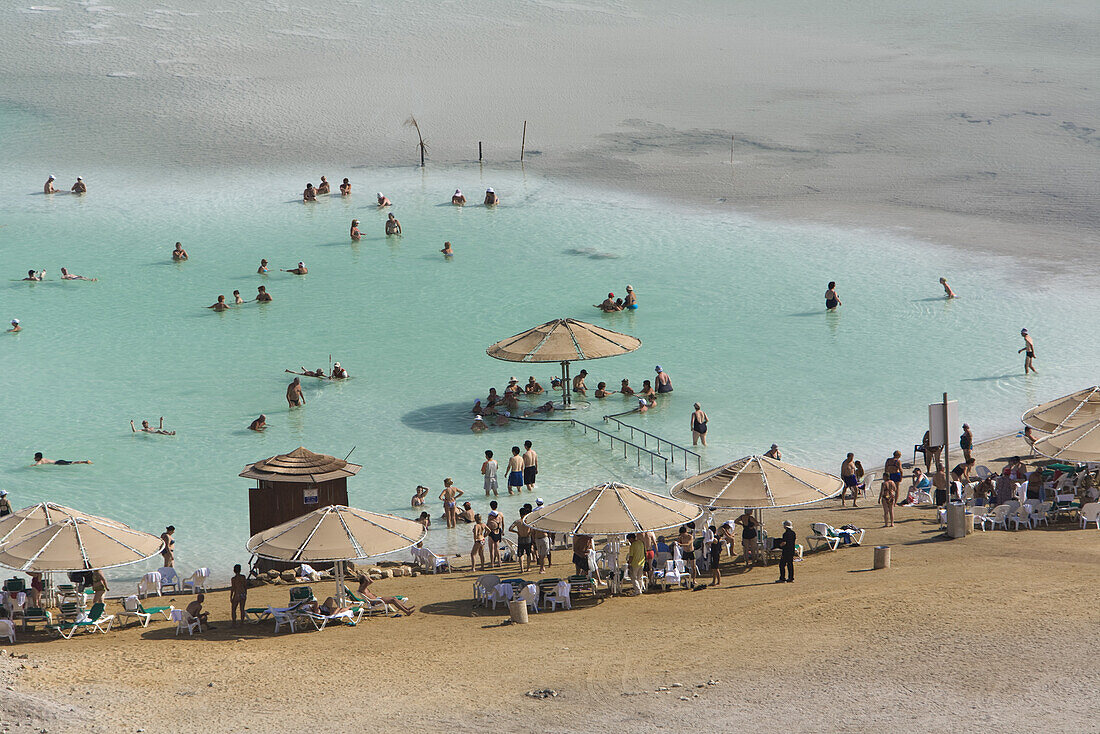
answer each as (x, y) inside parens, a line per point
(625, 388)
(221, 305)
(262, 270)
(491, 198)
(832, 300)
(478, 425)
(555, 383)
(259, 424)
(66, 275)
(458, 199)
(643, 406)
(237, 298)
(300, 270)
(49, 187)
(309, 373)
(339, 373)
(532, 387)
(179, 254)
(547, 407)
(39, 460)
(578, 383)
(392, 225)
(32, 275)
(947, 292)
(1029, 348)
(447, 250)
(262, 295)
(631, 301)
(383, 201)
(146, 428)
(310, 194)
(15, 327)
(602, 391)
(418, 499)
(294, 394)
(345, 188)
(355, 234)
(609, 305)
(323, 187)
(79, 187)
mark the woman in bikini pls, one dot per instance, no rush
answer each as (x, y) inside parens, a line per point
(450, 495)
(478, 549)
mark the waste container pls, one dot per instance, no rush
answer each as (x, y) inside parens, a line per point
(956, 520)
(518, 610)
(882, 556)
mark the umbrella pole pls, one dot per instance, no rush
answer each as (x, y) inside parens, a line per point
(566, 386)
(340, 583)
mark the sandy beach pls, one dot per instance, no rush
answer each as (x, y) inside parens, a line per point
(976, 634)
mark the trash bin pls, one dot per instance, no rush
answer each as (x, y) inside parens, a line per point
(882, 556)
(518, 610)
(956, 520)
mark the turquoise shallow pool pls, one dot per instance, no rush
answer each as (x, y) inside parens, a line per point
(732, 308)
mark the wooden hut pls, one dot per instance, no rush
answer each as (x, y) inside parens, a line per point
(291, 485)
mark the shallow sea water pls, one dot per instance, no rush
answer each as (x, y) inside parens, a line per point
(732, 308)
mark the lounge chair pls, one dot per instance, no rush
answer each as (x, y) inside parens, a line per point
(197, 582)
(558, 596)
(150, 583)
(184, 621)
(170, 579)
(1090, 513)
(366, 604)
(320, 621)
(823, 534)
(36, 614)
(301, 594)
(7, 629)
(95, 621)
(581, 584)
(131, 607)
(430, 561)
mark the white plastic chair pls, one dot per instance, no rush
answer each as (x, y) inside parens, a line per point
(483, 588)
(7, 629)
(197, 582)
(1039, 512)
(184, 621)
(981, 516)
(170, 579)
(149, 583)
(530, 594)
(501, 593)
(559, 596)
(999, 516)
(1022, 516)
(431, 562)
(675, 574)
(1090, 513)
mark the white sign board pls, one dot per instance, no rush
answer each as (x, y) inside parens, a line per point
(936, 424)
(309, 496)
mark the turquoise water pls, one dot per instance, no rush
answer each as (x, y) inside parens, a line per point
(731, 307)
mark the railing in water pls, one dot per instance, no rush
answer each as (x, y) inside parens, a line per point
(646, 435)
(654, 456)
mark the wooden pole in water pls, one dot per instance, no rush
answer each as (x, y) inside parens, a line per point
(523, 145)
(946, 443)
(731, 150)
(479, 151)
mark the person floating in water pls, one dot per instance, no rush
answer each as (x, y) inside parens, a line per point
(356, 235)
(383, 201)
(319, 372)
(146, 428)
(79, 187)
(49, 188)
(263, 267)
(458, 199)
(15, 327)
(294, 394)
(609, 305)
(32, 275)
(262, 295)
(66, 275)
(221, 305)
(832, 300)
(324, 187)
(491, 198)
(1029, 352)
(946, 288)
(392, 225)
(259, 424)
(40, 460)
(300, 270)
(310, 194)
(179, 254)
(345, 188)
(631, 301)
(447, 250)
(339, 373)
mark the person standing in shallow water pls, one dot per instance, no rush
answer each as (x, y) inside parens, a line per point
(699, 421)
(393, 226)
(294, 394)
(832, 300)
(1029, 349)
(947, 292)
(310, 194)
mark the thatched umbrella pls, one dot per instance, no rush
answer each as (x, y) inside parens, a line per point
(757, 482)
(564, 341)
(35, 517)
(1068, 411)
(335, 534)
(79, 544)
(1080, 444)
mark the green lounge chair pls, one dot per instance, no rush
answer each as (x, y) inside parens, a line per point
(369, 606)
(131, 607)
(95, 622)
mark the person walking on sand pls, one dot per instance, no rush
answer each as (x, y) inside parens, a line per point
(888, 497)
(966, 442)
(450, 495)
(238, 593)
(478, 548)
(832, 300)
(542, 549)
(699, 421)
(294, 396)
(392, 225)
(787, 544)
(99, 586)
(851, 481)
(635, 558)
(947, 292)
(1029, 349)
(168, 552)
(489, 471)
(515, 471)
(530, 466)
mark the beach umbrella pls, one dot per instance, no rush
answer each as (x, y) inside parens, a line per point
(564, 341)
(1068, 411)
(757, 482)
(35, 517)
(336, 534)
(1081, 444)
(79, 544)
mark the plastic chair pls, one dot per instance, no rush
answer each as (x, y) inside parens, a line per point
(559, 596)
(197, 582)
(169, 578)
(184, 621)
(149, 583)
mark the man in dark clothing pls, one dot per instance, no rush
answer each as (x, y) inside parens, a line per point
(786, 559)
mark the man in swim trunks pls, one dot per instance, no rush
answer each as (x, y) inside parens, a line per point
(392, 225)
(664, 382)
(1029, 348)
(686, 540)
(581, 545)
(300, 270)
(238, 593)
(466, 514)
(39, 460)
(532, 387)
(32, 275)
(383, 201)
(345, 188)
(221, 305)
(49, 187)
(525, 543)
(319, 372)
(699, 422)
(547, 407)
(491, 198)
(450, 495)
(259, 424)
(489, 471)
(848, 474)
(578, 383)
(479, 424)
(530, 466)
(146, 428)
(310, 194)
(262, 295)
(515, 471)
(323, 187)
(294, 394)
(66, 275)
(79, 187)
(609, 305)
(457, 198)
(237, 298)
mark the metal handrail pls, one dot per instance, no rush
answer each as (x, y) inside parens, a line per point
(647, 435)
(654, 456)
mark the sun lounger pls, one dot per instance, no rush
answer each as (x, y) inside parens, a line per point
(320, 621)
(36, 614)
(131, 607)
(366, 604)
(582, 584)
(300, 594)
(822, 536)
(95, 621)
(430, 561)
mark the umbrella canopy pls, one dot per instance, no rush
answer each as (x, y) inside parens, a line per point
(1077, 444)
(79, 544)
(563, 340)
(612, 509)
(300, 465)
(1066, 412)
(336, 533)
(26, 521)
(757, 482)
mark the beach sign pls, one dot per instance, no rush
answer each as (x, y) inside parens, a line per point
(309, 496)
